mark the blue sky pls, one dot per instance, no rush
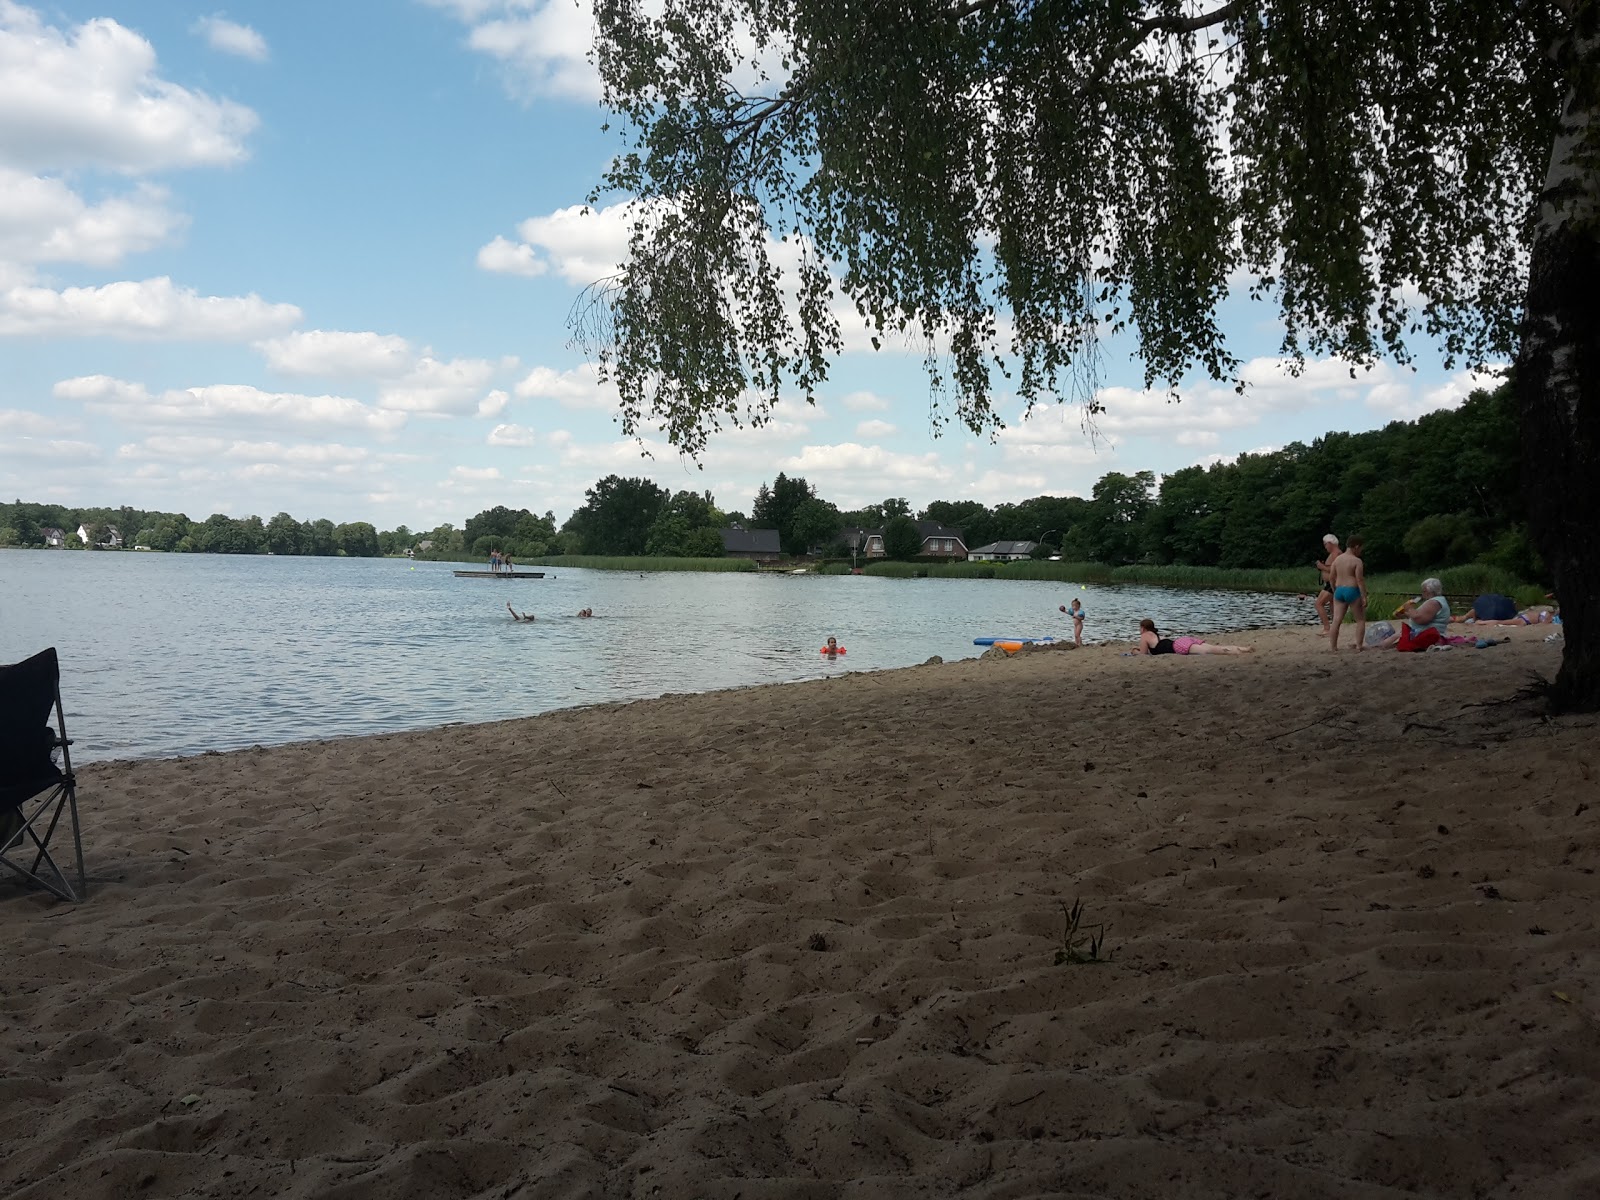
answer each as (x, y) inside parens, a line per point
(318, 258)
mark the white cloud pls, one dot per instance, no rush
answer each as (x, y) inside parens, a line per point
(511, 435)
(474, 475)
(493, 404)
(505, 257)
(326, 352)
(229, 37)
(222, 403)
(34, 448)
(542, 44)
(185, 448)
(21, 422)
(582, 244)
(151, 309)
(44, 220)
(865, 402)
(1402, 403)
(867, 462)
(579, 388)
(874, 429)
(432, 386)
(91, 97)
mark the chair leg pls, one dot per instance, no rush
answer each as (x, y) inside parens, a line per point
(64, 797)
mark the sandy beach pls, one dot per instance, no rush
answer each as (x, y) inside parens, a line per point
(802, 941)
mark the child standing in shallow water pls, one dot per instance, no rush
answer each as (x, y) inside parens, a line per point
(1076, 613)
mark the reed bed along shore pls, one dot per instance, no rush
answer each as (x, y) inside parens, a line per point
(642, 562)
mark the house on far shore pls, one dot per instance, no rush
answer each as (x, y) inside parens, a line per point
(53, 537)
(110, 537)
(758, 545)
(938, 541)
(1003, 552)
(421, 547)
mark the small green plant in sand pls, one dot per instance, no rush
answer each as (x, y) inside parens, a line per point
(1082, 943)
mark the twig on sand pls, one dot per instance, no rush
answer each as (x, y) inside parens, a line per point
(1301, 729)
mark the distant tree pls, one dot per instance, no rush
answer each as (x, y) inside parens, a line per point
(169, 532)
(1119, 508)
(319, 538)
(532, 536)
(616, 516)
(901, 540)
(775, 507)
(895, 506)
(357, 539)
(397, 540)
(284, 535)
(688, 525)
(498, 522)
(816, 523)
(1440, 540)
(221, 534)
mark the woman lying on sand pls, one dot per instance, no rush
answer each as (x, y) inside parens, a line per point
(1151, 642)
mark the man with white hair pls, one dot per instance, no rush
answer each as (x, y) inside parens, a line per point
(1426, 619)
(1324, 601)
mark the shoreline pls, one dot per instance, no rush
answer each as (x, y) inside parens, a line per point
(800, 940)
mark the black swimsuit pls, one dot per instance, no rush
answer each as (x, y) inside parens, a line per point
(1163, 646)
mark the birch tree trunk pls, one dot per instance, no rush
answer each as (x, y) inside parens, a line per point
(1558, 368)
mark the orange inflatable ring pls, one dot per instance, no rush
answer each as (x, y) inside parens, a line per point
(833, 650)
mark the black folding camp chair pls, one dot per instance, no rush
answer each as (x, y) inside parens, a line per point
(35, 792)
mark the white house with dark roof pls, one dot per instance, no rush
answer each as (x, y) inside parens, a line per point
(110, 537)
(1003, 552)
(938, 540)
(53, 537)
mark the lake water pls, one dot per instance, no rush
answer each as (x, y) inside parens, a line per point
(166, 654)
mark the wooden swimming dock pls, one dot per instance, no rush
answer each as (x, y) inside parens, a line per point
(499, 574)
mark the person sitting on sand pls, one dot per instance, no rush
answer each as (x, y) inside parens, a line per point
(1426, 619)
(516, 616)
(1151, 642)
(1349, 575)
(1077, 614)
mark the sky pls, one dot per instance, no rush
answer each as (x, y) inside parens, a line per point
(319, 258)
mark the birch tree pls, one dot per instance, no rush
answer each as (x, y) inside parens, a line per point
(1006, 183)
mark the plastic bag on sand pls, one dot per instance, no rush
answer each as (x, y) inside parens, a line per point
(1377, 632)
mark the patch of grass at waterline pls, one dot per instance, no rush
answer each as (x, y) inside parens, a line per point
(603, 562)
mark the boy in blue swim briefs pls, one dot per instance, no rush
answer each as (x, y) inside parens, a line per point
(1349, 591)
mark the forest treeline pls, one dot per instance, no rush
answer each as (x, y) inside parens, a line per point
(1438, 491)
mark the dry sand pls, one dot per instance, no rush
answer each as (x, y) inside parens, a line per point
(800, 941)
